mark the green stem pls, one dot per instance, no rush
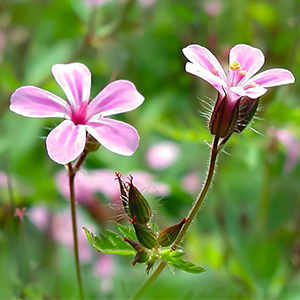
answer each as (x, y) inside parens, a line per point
(150, 280)
(74, 227)
(191, 216)
(193, 212)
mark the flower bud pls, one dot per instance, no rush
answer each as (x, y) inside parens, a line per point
(167, 236)
(224, 117)
(91, 144)
(145, 235)
(246, 110)
(140, 257)
(124, 192)
(139, 208)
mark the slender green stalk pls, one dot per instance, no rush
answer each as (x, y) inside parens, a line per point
(150, 280)
(202, 194)
(191, 216)
(74, 227)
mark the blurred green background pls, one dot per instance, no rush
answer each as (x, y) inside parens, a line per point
(247, 233)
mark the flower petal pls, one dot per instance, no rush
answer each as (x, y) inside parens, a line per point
(251, 59)
(201, 56)
(215, 81)
(116, 136)
(30, 101)
(252, 93)
(75, 80)
(273, 77)
(66, 142)
(117, 97)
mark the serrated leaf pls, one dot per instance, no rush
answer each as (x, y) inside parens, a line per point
(127, 232)
(109, 242)
(181, 264)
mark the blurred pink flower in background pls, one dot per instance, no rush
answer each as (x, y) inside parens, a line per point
(191, 183)
(40, 216)
(162, 155)
(146, 3)
(106, 183)
(87, 184)
(63, 234)
(84, 187)
(291, 144)
(81, 116)
(213, 8)
(105, 269)
(95, 3)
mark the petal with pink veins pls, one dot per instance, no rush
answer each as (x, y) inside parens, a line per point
(66, 142)
(251, 59)
(201, 56)
(75, 81)
(30, 101)
(252, 93)
(117, 97)
(273, 77)
(116, 136)
(198, 71)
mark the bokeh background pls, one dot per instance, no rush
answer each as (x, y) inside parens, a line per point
(247, 232)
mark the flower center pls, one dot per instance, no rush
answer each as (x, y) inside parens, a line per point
(234, 66)
(79, 113)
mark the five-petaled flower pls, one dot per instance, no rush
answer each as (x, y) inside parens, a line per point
(239, 84)
(67, 141)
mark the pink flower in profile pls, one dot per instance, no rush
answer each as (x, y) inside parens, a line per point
(239, 81)
(162, 155)
(67, 141)
(292, 145)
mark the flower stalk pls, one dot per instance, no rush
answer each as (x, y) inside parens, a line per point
(71, 173)
(213, 158)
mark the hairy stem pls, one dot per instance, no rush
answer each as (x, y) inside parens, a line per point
(190, 218)
(72, 173)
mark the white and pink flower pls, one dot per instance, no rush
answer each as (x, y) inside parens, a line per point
(239, 81)
(81, 116)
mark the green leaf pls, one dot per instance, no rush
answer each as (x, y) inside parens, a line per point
(181, 264)
(127, 232)
(109, 242)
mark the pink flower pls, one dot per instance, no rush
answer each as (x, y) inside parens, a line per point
(191, 183)
(292, 145)
(162, 155)
(213, 8)
(95, 3)
(105, 269)
(67, 141)
(238, 82)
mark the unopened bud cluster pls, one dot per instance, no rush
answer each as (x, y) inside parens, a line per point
(149, 242)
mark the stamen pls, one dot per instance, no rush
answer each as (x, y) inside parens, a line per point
(214, 71)
(249, 85)
(242, 72)
(235, 65)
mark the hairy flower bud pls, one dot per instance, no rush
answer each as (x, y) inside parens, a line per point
(167, 236)
(145, 235)
(246, 110)
(124, 192)
(224, 117)
(139, 208)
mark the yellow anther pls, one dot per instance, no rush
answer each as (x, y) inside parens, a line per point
(251, 84)
(242, 72)
(235, 65)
